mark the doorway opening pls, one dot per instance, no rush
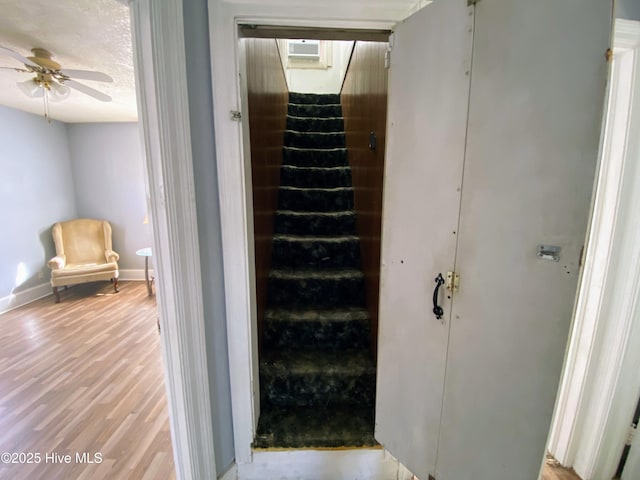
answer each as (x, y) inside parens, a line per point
(316, 102)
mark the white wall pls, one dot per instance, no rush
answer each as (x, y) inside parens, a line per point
(109, 183)
(36, 190)
(318, 80)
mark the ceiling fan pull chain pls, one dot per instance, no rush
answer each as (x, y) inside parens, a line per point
(45, 97)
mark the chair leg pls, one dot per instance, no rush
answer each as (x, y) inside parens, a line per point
(55, 292)
(115, 285)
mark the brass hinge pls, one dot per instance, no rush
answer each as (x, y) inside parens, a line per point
(631, 434)
(609, 55)
(453, 282)
(236, 116)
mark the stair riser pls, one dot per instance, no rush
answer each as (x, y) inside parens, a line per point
(315, 158)
(315, 224)
(316, 335)
(316, 111)
(314, 140)
(311, 124)
(300, 427)
(317, 389)
(315, 254)
(314, 177)
(315, 200)
(316, 292)
(314, 98)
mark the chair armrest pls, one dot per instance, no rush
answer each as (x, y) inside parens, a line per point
(111, 256)
(57, 262)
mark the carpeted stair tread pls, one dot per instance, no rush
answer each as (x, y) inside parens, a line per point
(314, 98)
(315, 111)
(328, 275)
(298, 251)
(347, 314)
(315, 427)
(316, 288)
(310, 238)
(315, 124)
(327, 140)
(313, 362)
(307, 177)
(317, 377)
(315, 199)
(335, 329)
(314, 157)
(315, 223)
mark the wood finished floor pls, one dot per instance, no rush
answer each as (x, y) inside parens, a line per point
(554, 471)
(85, 375)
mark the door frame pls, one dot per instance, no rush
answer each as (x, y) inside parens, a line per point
(235, 200)
(599, 388)
(161, 91)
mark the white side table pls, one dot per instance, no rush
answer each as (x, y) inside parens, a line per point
(146, 253)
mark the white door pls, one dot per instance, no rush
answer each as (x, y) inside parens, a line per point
(529, 159)
(427, 118)
(535, 114)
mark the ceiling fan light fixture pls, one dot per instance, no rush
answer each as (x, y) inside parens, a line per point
(58, 91)
(31, 88)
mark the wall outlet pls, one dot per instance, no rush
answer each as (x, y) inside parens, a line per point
(40, 274)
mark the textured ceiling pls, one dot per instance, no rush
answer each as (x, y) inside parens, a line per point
(96, 35)
(81, 34)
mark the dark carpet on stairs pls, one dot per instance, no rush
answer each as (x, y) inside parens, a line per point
(317, 376)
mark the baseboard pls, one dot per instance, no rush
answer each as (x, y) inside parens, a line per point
(372, 464)
(23, 297)
(129, 275)
(230, 474)
(29, 295)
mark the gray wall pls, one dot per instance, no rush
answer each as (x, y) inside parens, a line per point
(628, 9)
(107, 162)
(36, 190)
(208, 212)
(56, 172)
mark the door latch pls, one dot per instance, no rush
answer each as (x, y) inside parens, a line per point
(453, 282)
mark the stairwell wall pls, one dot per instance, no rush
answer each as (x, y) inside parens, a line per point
(364, 107)
(268, 97)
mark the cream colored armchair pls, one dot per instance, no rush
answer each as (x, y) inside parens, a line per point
(83, 254)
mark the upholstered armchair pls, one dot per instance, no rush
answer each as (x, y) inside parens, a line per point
(83, 254)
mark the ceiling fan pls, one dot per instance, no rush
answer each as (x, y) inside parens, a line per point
(50, 80)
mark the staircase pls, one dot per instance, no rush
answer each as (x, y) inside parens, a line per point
(317, 376)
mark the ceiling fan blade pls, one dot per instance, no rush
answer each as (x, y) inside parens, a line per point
(86, 75)
(17, 56)
(103, 97)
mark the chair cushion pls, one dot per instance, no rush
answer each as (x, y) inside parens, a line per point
(72, 270)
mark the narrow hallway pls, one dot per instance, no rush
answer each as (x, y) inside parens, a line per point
(317, 375)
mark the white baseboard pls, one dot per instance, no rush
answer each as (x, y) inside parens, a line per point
(15, 300)
(372, 464)
(230, 474)
(129, 275)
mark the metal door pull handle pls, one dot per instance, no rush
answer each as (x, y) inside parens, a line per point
(437, 309)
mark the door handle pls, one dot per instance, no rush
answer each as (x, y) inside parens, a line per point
(437, 309)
